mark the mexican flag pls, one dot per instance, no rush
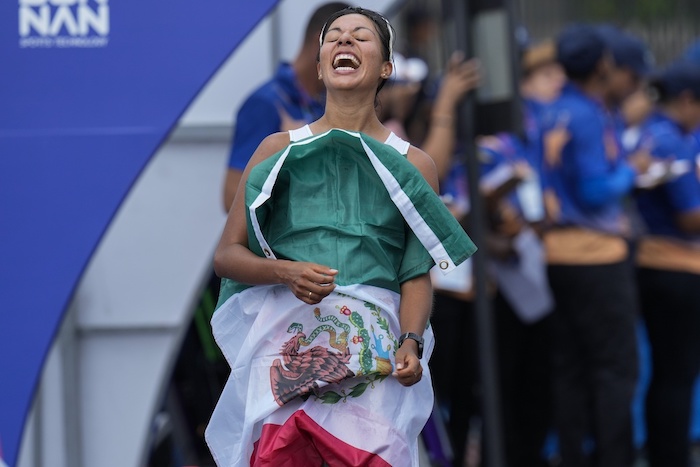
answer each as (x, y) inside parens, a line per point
(312, 383)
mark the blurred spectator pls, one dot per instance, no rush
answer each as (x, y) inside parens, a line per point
(669, 263)
(624, 98)
(440, 139)
(543, 77)
(541, 84)
(404, 102)
(290, 99)
(632, 63)
(510, 184)
(522, 300)
(593, 326)
(398, 99)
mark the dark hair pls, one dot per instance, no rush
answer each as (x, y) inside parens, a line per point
(384, 29)
(580, 48)
(318, 18)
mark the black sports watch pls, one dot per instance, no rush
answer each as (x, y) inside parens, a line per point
(415, 337)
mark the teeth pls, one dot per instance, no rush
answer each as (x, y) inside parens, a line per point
(350, 57)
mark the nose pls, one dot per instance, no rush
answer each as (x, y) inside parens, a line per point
(345, 39)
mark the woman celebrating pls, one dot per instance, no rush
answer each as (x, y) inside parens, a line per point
(324, 309)
(669, 265)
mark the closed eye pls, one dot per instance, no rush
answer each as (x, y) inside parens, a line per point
(360, 34)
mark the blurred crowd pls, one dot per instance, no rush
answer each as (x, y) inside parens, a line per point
(593, 221)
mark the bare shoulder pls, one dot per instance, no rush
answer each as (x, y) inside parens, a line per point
(420, 158)
(272, 144)
(425, 164)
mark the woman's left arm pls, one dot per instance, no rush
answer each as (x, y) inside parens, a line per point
(416, 293)
(414, 311)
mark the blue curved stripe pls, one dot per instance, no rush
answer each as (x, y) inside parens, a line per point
(77, 127)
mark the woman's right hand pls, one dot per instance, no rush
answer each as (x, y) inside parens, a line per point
(309, 282)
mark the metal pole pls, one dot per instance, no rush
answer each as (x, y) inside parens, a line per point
(487, 360)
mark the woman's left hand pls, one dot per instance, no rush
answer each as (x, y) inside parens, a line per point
(408, 368)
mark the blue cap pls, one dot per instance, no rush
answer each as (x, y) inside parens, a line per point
(627, 50)
(580, 48)
(679, 77)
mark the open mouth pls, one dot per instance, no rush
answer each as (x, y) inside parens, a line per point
(345, 62)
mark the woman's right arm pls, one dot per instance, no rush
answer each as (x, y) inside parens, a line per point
(234, 260)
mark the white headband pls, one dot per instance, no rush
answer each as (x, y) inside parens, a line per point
(391, 39)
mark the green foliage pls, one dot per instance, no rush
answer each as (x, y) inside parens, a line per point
(358, 389)
(330, 397)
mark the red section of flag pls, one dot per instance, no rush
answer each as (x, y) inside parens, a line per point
(301, 442)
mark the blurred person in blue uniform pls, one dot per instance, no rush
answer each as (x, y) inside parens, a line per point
(290, 99)
(594, 350)
(540, 85)
(669, 264)
(510, 183)
(627, 107)
(632, 63)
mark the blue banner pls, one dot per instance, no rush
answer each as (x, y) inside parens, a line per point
(88, 91)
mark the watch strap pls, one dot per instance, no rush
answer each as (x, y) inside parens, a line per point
(415, 337)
